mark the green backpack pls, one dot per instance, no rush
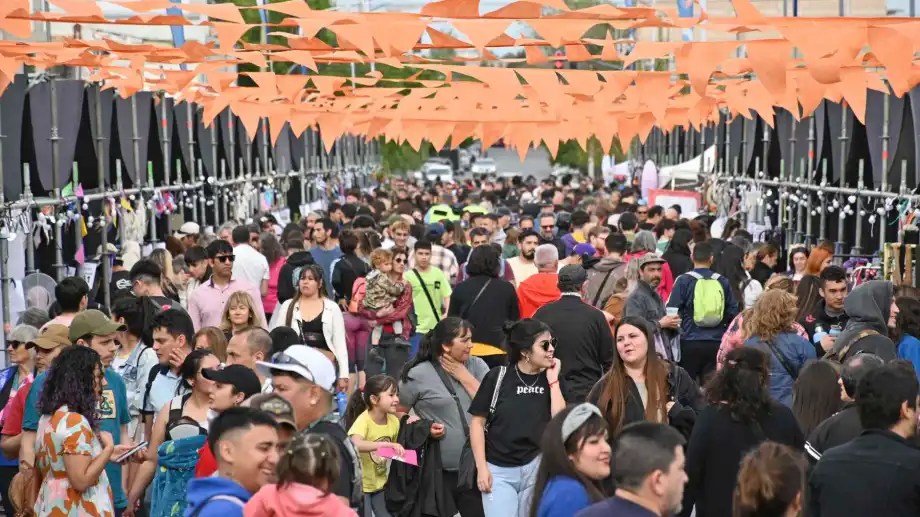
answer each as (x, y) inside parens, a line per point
(708, 300)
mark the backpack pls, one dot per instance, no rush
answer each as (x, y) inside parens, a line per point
(708, 300)
(841, 354)
(358, 292)
(337, 433)
(156, 370)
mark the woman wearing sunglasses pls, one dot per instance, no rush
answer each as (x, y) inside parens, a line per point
(11, 380)
(643, 386)
(506, 440)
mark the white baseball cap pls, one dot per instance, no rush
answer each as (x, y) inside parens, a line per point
(189, 228)
(305, 361)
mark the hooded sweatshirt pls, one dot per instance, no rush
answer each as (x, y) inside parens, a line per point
(537, 291)
(868, 307)
(296, 500)
(596, 275)
(215, 497)
(287, 288)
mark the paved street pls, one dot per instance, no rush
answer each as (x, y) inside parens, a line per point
(536, 162)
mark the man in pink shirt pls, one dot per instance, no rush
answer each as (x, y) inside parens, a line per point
(72, 295)
(206, 303)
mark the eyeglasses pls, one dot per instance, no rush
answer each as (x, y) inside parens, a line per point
(399, 260)
(14, 344)
(225, 258)
(546, 344)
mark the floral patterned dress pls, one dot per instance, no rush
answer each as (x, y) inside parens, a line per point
(65, 432)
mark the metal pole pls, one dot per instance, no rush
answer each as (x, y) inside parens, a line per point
(231, 128)
(59, 267)
(27, 195)
(857, 247)
(164, 142)
(822, 220)
(200, 193)
(5, 246)
(810, 175)
(119, 186)
(190, 127)
(882, 220)
(800, 220)
(100, 171)
(838, 248)
(215, 192)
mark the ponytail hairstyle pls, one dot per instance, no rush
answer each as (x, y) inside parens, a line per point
(521, 336)
(432, 344)
(362, 400)
(771, 477)
(742, 384)
(310, 459)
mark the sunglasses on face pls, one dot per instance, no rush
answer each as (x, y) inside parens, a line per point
(225, 258)
(12, 345)
(399, 260)
(546, 344)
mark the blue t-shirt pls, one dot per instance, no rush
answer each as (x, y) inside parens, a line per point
(324, 258)
(113, 413)
(616, 506)
(563, 497)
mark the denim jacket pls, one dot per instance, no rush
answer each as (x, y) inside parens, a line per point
(797, 351)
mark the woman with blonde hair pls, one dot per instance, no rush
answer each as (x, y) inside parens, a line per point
(734, 337)
(240, 313)
(168, 283)
(770, 329)
(213, 339)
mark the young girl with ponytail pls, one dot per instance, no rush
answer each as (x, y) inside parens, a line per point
(372, 424)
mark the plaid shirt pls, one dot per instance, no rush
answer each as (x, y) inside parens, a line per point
(443, 259)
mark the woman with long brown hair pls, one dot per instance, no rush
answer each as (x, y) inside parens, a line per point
(770, 329)
(642, 386)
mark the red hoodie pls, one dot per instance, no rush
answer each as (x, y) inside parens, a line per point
(295, 500)
(537, 291)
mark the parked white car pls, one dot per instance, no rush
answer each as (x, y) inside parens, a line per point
(483, 166)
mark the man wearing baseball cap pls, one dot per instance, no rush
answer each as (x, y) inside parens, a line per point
(93, 329)
(46, 345)
(588, 350)
(188, 234)
(306, 379)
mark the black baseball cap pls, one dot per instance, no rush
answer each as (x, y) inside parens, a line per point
(243, 379)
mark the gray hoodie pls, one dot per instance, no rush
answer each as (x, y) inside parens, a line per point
(868, 307)
(596, 274)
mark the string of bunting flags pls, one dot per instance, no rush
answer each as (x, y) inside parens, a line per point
(751, 64)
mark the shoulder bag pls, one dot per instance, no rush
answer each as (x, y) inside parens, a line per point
(466, 472)
(783, 360)
(469, 307)
(434, 310)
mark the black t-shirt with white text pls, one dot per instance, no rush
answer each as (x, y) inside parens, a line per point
(521, 413)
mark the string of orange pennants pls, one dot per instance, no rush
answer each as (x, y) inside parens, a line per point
(753, 64)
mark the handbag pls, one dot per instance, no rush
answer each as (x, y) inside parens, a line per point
(466, 472)
(783, 361)
(469, 307)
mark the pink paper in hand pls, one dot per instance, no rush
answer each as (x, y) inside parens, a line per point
(410, 456)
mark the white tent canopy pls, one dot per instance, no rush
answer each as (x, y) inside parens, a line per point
(689, 171)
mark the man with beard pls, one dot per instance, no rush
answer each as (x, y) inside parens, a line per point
(326, 245)
(647, 464)
(644, 301)
(523, 265)
(548, 232)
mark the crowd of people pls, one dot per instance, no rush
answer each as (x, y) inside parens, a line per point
(490, 349)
